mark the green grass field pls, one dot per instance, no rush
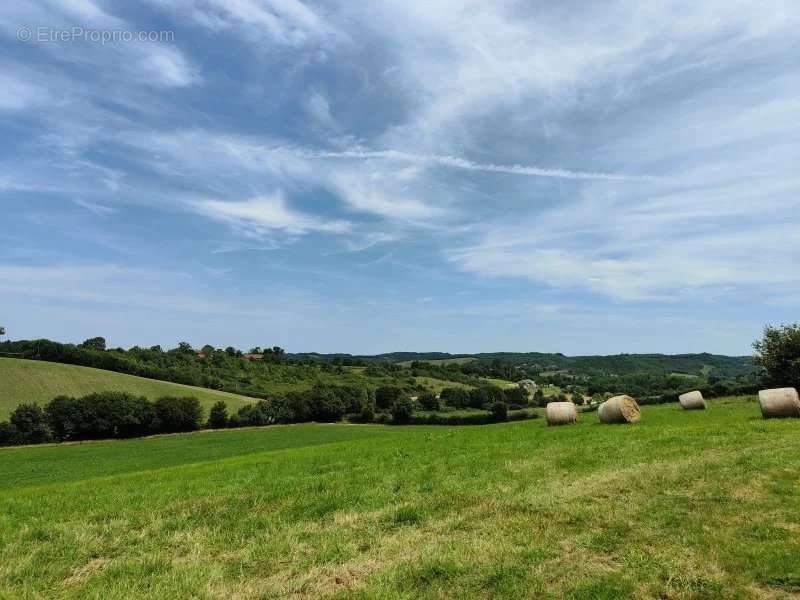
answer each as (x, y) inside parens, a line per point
(501, 383)
(547, 390)
(682, 505)
(39, 381)
(437, 385)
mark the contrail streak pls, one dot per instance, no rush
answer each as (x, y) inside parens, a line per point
(455, 162)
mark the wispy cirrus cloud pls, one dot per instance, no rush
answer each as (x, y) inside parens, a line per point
(407, 146)
(265, 215)
(151, 64)
(285, 22)
(98, 209)
(670, 243)
(17, 94)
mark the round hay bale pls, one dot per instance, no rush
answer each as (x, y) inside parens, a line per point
(561, 413)
(692, 401)
(619, 409)
(779, 403)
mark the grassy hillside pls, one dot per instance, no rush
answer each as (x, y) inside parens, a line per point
(437, 385)
(501, 383)
(39, 381)
(683, 505)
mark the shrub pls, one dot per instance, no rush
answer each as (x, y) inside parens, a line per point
(723, 388)
(8, 434)
(429, 401)
(353, 397)
(95, 343)
(325, 405)
(293, 408)
(64, 417)
(386, 396)
(498, 410)
(177, 414)
(778, 352)
(494, 394)
(383, 418)
(218, 416)
(455, 397)
(478, 397)
(483, 396)
(402, 410)
(30, 424)
(516, 395)
(252, 415)
(105, 415)
(367, 414)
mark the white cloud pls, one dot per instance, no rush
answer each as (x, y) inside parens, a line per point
(367, 186)
(370, 240)
(149, 63)
(373, 182)
(167, 67)
(724, 150)
(265, 215)
(11, 184)
(461, 61)
(98, 209)
(16, 94)
(656, 242)
(286, 22)
(369, 190)
(84, 11)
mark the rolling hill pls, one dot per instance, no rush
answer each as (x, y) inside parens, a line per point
(39, 381)
(690, 364)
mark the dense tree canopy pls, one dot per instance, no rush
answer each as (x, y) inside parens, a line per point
(778, 352)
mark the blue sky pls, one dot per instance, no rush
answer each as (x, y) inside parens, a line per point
(369, 177)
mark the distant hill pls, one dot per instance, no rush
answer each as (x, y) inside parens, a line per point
(655, 377)
(689, 364)
(40, 381)
(620, 364)
(389, 357)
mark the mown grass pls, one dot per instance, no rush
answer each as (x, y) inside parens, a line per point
(50, 463)
(39, 381)
(683, 505)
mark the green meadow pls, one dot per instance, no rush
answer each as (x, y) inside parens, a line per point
(40, 381)
(682, 505)
(436, 385)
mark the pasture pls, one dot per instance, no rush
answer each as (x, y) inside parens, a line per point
(683, 505)
(39, 381)
(436, 385)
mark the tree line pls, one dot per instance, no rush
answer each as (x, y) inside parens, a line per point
(226, 369)
(102, 415)
(119, 415)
